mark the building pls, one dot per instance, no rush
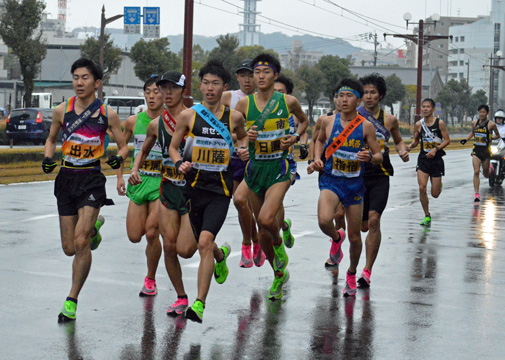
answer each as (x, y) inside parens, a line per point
(436, 53)
(385, 57)
(249, 30)
(296, 57)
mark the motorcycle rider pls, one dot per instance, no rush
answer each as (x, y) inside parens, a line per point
(499, 119)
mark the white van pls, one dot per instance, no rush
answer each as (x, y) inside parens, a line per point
(126, 106)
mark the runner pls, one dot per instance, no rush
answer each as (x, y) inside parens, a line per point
(267, 173)
(377, 176)
(209, 181)
(284, 85)
(245, 77)
(342, 180)
(142, 214)
(481, 153)
(80, 186)
(175, 229)
(340, 211)
(434, 137)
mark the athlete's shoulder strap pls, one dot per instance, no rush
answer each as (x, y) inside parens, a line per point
(81, 119)
(377, 124)
(342, 137)
(270, 106)
(210, 119)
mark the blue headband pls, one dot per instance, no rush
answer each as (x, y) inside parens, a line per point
(265, 63)
(348, 88)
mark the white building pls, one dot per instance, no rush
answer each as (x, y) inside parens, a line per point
(471, 49)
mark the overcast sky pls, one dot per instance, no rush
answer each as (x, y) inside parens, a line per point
(315, 17)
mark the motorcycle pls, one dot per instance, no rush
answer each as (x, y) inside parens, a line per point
(497, 166)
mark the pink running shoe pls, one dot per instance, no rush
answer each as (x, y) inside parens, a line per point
(246, 260)
(258, 255)
(364, 280)
(336, 254)
(178, 307)
(477, 198)
(149, 288)
(350, 285)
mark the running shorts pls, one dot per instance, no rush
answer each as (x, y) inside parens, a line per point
(432, 167)
(77, 189)
(261, 175)
(238, 169)
(482, 152)
(207, 210)
(172, 197)
(147, 191)
(350, 191)
(376, 194)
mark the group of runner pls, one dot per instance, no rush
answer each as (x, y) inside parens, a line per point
(190, 162)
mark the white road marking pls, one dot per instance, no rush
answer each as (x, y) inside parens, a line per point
(40, 217)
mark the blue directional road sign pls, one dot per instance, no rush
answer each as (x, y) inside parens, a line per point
(151, 22)
(132, 20)
(151, 15)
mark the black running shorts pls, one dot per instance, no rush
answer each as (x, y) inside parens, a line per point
(376, 194)
(432, 167)
(482, 152)
(207, 210)
(77, 189)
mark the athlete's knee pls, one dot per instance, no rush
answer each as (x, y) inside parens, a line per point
(422, 188)
(354, 237)
(266, 221)
(81, 243)
(476, 172)
(324, 221)
(374, 222)
(364, 226)
(134, 238)
(205, 245)
(186, 253)
(436, 193)
(68, 249)
(239, 200)
(152, 235)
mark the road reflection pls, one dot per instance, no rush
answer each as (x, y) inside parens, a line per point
(336, 331)
(246, 320)
(73, 349)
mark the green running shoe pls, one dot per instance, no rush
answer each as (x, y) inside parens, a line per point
(287, 237)
(97, 238)
(195, 312)
(275, 292)
(426, 221)
(68, 312)
(220, 268)
(280, 258)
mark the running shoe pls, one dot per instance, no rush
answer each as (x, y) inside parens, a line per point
(426, 221)
(275, 292)
(258, 255)
(280, 257)
(336, 253)
(330, 264)
(195, 312)
(364, 280)
(68, 312)
(96, 239)
(178, 307)
(350, 285)
(220, 268)
(287, 237)
(246, 259)
(477, 198)
(149, 288)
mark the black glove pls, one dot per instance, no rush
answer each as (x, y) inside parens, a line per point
(303, 151)
(48, 165)
(115, 161)
(463, 142)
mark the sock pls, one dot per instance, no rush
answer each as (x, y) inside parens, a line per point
(351, 273)
(71, 299)
(182, 297)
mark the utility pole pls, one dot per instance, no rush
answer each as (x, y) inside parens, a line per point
(104, 21)
(468, 72)
(492, 66)
(375, 43)
(419, 39)
(188, 51)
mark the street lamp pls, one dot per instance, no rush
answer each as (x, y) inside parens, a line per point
(104, 21)
(419, 39)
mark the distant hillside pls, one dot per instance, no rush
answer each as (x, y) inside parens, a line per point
(277, 41)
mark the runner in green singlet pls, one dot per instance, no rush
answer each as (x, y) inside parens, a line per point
(142, 215)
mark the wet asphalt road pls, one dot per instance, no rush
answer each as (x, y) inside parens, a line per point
(436, 293)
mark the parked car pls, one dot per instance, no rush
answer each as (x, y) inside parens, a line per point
(30, 124)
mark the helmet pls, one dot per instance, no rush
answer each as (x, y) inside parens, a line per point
(499, 114)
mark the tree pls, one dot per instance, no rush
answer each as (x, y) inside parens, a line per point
(18, 26)
(395, 91)
(312, 78)
(454, 97)
(199, 59)
(476, 100)
(112, 55)
(334, 69)
(250, 52)
(153, 57)
(225, 52)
